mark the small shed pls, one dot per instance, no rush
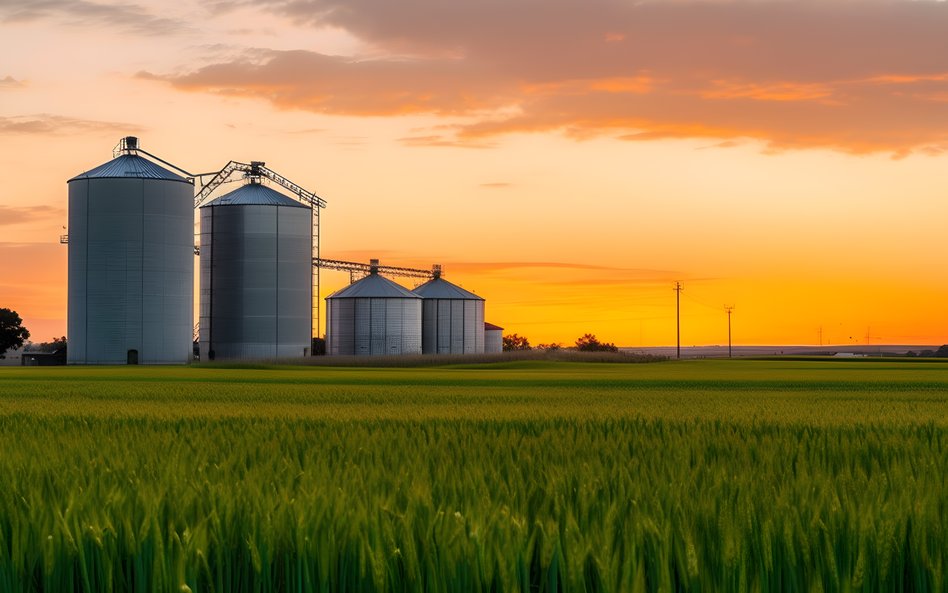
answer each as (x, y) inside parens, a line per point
(44, 359)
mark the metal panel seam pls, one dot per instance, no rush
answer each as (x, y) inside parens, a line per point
(141, 317)
(276, 284)
(210, 296)
(86, 282)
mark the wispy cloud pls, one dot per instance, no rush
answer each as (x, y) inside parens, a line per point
(47, 124)
(8, 82)
(521, 265)
(128, 17)
(10, 215)
(441, 140)
(854, 76)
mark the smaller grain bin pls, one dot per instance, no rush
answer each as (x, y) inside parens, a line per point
(373, 316)
(452, 319)
(493, 338)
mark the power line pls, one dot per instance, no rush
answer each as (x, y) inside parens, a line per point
(702, 303)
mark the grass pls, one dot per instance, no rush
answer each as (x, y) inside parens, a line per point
(430, 360)
(529, 475)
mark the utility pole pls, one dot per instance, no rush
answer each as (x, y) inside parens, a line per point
(678, 288)
(729, 309)
(821, 336)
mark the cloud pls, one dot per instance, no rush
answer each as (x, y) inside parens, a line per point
(349, 86)
(128, 17)
(484, 267)
(8, 82)
(47, 124)
(10, 215)
(852, 76)
(441, 140)
(306, 131)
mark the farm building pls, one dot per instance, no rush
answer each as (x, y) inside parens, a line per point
(131, 263)
(452, 319)
(373, 316)
(256, 268)
(493, 338)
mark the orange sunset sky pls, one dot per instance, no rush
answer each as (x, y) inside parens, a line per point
(568, 160)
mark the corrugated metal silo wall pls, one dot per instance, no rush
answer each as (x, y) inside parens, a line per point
(452, 326)
(374, 326)
(340, 326)
(256, 289)
(131, 266)
(493, 341)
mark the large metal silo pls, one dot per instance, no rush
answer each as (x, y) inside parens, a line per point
(256, 275)
(373, 316)
(452, 319)
(131, 263)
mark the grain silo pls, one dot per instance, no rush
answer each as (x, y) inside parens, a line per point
(373, 316)
(256, 275)
(493, 338)
(452, 319)
(131, 263)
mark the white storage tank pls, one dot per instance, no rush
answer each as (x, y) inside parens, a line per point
(493, 338)
(452, 319)
(373, 316)
(256, 275)
(131, 263)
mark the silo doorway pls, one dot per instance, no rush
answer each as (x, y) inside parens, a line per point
(132, 357)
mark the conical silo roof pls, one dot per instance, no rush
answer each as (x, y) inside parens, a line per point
(376, 287)
(439, 288)
(130, 166)
(255, 194)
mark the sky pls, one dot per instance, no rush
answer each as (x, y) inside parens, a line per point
(567, 160)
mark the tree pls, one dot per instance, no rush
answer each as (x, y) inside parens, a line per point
(319, 347)
(12, 332)
(553, 347)
(942, 352)
(51, 346)
(589, 343)
(515, 342)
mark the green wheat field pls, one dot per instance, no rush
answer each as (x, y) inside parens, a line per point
(527, 476)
